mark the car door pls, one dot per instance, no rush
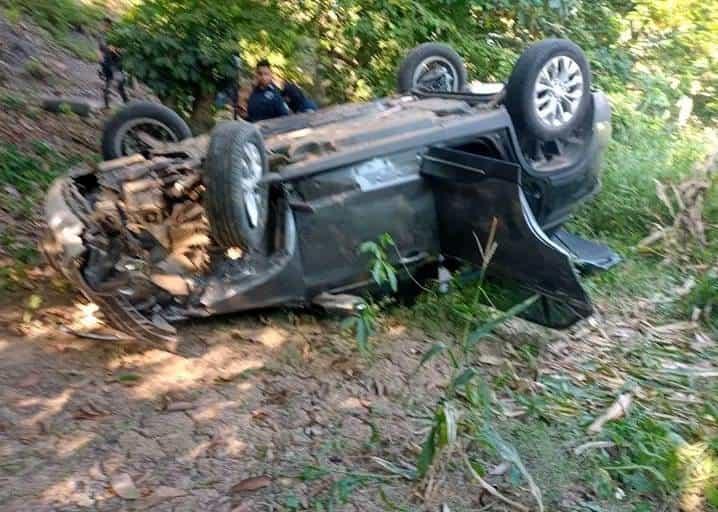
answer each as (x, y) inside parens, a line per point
(479, 200)
(336, 211)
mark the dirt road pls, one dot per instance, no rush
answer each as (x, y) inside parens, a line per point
(273, 397)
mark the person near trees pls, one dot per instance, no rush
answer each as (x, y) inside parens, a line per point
(265, 101)
(111, 65)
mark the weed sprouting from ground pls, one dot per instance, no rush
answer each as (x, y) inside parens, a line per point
(382, 270)
(343, 485)
(24, 178)
(461, 419)
(363, 322)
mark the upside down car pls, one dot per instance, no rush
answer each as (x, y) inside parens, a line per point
(171, 227)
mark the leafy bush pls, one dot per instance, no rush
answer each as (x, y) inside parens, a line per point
(183, 50)
(349, 50)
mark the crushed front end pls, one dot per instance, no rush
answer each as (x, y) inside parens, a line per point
(133, 237)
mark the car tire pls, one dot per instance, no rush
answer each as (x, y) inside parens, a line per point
(431, 53)
(237, 205)
(550, 78)
(164, 120)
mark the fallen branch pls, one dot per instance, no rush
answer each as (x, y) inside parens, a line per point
(618, 409)
(491, 489)
(685, 204)
(593, 445)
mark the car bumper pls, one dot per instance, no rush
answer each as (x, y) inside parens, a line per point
(65, 248)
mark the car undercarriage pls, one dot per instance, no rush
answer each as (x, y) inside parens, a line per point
(441, 175)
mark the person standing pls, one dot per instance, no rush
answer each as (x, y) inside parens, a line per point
(265, 101)
(110, 65)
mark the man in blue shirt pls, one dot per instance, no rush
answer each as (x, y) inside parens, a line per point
(266, 100)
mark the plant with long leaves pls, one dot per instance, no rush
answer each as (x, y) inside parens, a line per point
(363, 322)
(462, 415)
(382, 270)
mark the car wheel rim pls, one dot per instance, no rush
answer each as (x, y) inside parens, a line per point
(128, 141)
(251, 174)
(436, 74)
(558, 91)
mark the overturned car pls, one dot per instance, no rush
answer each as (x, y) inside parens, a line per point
(260, 215)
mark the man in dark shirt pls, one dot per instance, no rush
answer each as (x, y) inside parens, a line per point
(266, 100)
(111, 66)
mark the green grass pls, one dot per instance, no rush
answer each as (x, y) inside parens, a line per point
(12, 101)
(650, 465)
(58, 17)
(31, 172)
(81, 47)
(705, 297)
(36, 69)
(644, 149)
(24, 177)
(67, 21)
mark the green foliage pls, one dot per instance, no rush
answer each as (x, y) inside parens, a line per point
(382, 271)
(349, 50)
(705, 297)
(648, 460)
(11, 101)
(644, 149)
(69, 22)
(183, 50)
(443, 432)
(24, 177)
(30, 173)
(81, 47)
(65, 109)
(340, 489)
(363, 324)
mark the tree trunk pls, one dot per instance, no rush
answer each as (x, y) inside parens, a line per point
(202, 118)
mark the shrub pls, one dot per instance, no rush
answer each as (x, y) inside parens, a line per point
(183, 51)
